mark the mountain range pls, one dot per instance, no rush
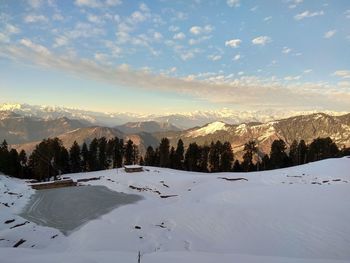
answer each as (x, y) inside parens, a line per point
(23, 129)
(183, 121)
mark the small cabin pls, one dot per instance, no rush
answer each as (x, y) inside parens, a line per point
(133, 168)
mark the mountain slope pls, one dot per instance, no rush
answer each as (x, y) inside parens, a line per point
(298, 214)
(20, 129)
(306, 127)
(146, 126)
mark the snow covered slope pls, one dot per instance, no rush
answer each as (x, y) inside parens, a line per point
(297, 214)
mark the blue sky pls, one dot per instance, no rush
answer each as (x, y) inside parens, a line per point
(175, 56)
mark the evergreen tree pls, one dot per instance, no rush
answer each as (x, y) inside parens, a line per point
(4, 157)
(22, 158)
(226, 158)
(150, 156)
(302, 152)
(293, 153)
(265, 162)
(74, 158)
(14, 165)
(164, 146)
(278, 156)
(85, 158)
(135, 154)
(103, 163)
(129, 152)
(192, 157)
(172, 158)
(237, 166)
(179, 155)
(322, 148)
(204, 158)
(93, 163)
(249, 150)
(214, 156)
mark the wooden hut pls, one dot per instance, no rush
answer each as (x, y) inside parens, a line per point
(133, 168)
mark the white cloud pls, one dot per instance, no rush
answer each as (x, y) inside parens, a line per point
(61, 41)
(307, 71)
(187, 55)
(88, 3)
(294, 3)
(35, 18)
(308, 14)
(233, 3)
(286, 50)
(214, 57)
(329, 34)
(4, 38)
(268, 18)
(94, 19)
(157, 36)
(11, 29)
(244, 90)
(173, 28)
(197, 30)
(179, 36)
(342, 74)
(199, 40)
(113, 2)
(347, 14)
(233, 43)
(35, 47)
(237, 57)
(291, 78)
(262, 40)
(101, 57)
(35, 3)
(57, 17)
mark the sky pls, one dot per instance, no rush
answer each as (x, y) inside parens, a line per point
(176, 56)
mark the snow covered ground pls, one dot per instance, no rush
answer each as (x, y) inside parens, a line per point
(298, 214)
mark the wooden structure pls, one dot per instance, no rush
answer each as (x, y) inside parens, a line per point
(53, 184)
(133, 168)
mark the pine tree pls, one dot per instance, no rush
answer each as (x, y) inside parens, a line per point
(22, 158)
(322, 148)
(103, 163)
(129, 152)
(249, 150)
(179, 155)
(293, 153)
(164, 146)
(192, 157)
(74, 158)
(93, 155)
(204, 158)
(302, 152)
(237, 167)
(278, 156)
(172, 158)
(214, 156)
(226, 158)
(85, 157)
(150, 156)
(4, 157)
(135, 154)
(265, 162)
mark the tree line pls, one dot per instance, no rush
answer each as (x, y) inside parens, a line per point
(51, 159)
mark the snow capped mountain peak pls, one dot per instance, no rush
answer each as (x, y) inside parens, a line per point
(210, 128)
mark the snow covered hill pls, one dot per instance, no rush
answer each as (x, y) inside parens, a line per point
(297, 214)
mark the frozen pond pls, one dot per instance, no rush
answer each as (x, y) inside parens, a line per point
(68, 208)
